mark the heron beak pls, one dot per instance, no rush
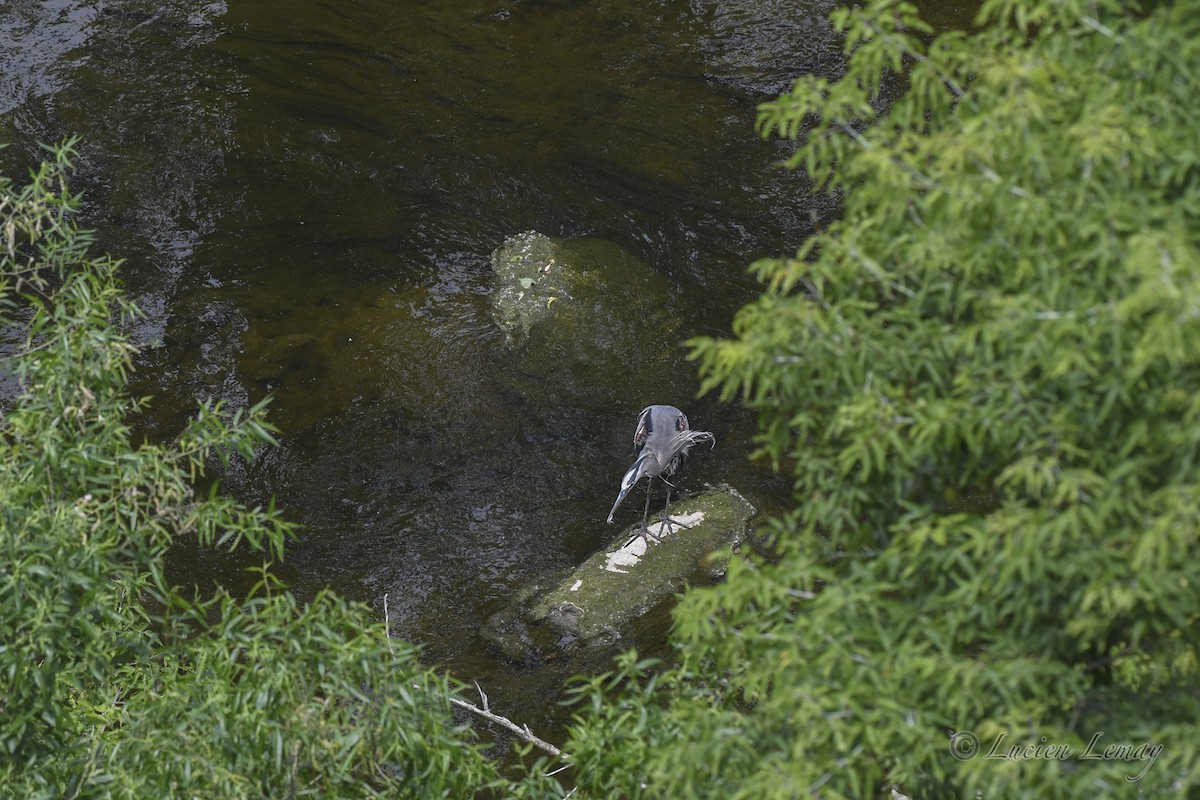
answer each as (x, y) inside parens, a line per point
(627, 482)
(620, 497)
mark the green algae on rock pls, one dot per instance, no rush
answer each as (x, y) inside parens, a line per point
(576, 313)
(531, 279)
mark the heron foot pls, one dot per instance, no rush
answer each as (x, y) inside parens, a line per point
(667, 523)
(646, 534)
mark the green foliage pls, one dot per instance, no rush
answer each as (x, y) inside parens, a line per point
(114, 683)
(272, 699)
(985, 379)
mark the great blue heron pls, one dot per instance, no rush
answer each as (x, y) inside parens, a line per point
(664, 437)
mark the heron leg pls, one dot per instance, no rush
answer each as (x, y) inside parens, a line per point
(667, 514)
(645, 531)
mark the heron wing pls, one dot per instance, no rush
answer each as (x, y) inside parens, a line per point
(643, 428)
(677, 449)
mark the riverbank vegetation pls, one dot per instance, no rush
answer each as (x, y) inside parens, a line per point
(983, 378)
(118, 683)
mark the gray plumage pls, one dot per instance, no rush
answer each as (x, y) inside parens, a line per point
(664, 439)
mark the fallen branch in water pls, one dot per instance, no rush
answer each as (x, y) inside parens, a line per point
(520, 730)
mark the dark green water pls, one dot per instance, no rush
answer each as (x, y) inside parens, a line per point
(307, 194)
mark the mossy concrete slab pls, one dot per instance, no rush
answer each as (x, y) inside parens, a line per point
(595, 601)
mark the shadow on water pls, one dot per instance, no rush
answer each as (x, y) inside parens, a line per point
(307, 199)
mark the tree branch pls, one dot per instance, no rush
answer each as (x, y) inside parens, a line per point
(521, 731)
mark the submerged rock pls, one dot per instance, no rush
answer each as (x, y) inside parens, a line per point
(595, 601)
(577, 312)
(531, 280)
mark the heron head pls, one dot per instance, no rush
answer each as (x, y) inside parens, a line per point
(635, 473)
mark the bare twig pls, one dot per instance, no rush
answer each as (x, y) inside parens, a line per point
(482, 697)
(520, 730)
(387, 624)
